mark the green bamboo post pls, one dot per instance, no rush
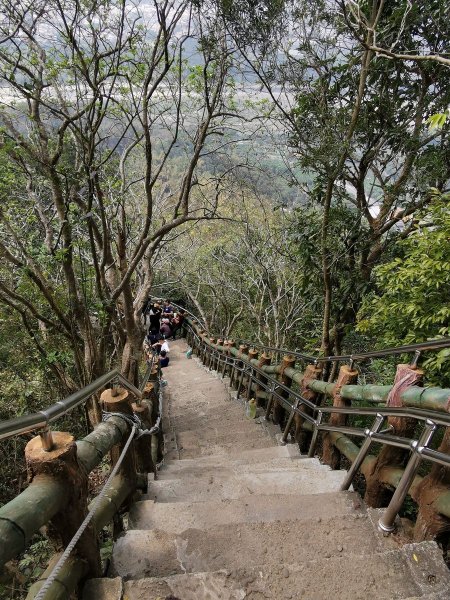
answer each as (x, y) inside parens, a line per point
(430, 521)
(205, 356)
(252, 355)
(202, 346)
(265, 360)
(331, 455)
(302, 436)
(243, 355)
(210, 356)
(151, 397)
(61, 463)
(118, 400)
(233, 372)
(288, 362)
(219, 343)
(143, 445)
(226, 351)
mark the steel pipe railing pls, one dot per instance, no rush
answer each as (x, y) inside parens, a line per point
(365, 446)
(438, 418)
(295, 401)
(387, 522)
(437, 344)
(41, 419)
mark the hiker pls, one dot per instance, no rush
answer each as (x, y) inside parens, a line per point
(165, 329)
(163, 359)
(167, 309)
(155, 316)
(177, 322)
(161, 346)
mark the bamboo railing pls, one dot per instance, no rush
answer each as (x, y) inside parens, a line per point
(402, 420)
(58, 472)
(410, 414)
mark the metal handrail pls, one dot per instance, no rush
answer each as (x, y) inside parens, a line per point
(421, 414)
(41, 419)
(442, 419)
(419, 449)
(437, 344)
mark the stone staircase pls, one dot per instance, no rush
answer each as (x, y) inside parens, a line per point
(234, 516)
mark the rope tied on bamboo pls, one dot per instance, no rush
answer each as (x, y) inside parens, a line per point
(134, 421)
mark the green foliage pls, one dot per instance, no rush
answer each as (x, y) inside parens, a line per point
(251, 22)
(35, 559)
(411, 303)
(438, 120)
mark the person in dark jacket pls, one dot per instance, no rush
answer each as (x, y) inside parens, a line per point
(155, 316)
(163, 359)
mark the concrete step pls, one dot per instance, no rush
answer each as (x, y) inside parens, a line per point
(208, 391)
(176, 470)
(223, 449)
(382, 576)
(262, 545)
(212, 421)
(189, 468)
(246, 456)
(175, 517)
(184, 468)
(223, 484)
(235, 432)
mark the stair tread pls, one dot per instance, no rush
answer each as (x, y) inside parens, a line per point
(178, 516)
(333, 559)
(387, 577)
(173, 471)
(212, 484)
(247, 455)
(382, 575)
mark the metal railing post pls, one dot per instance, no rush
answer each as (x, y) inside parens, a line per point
(315, 435)
(249, 384)
(240, 382)
(225, 362)
(232, 372)
(289, 422)
(387, 522)
(379, 419)
(270, 401)
(46, 439)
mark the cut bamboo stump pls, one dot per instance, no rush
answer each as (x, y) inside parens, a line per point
(303, 437)
(278, 409)
(331, 455)
(61, 463)
(118, 400)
